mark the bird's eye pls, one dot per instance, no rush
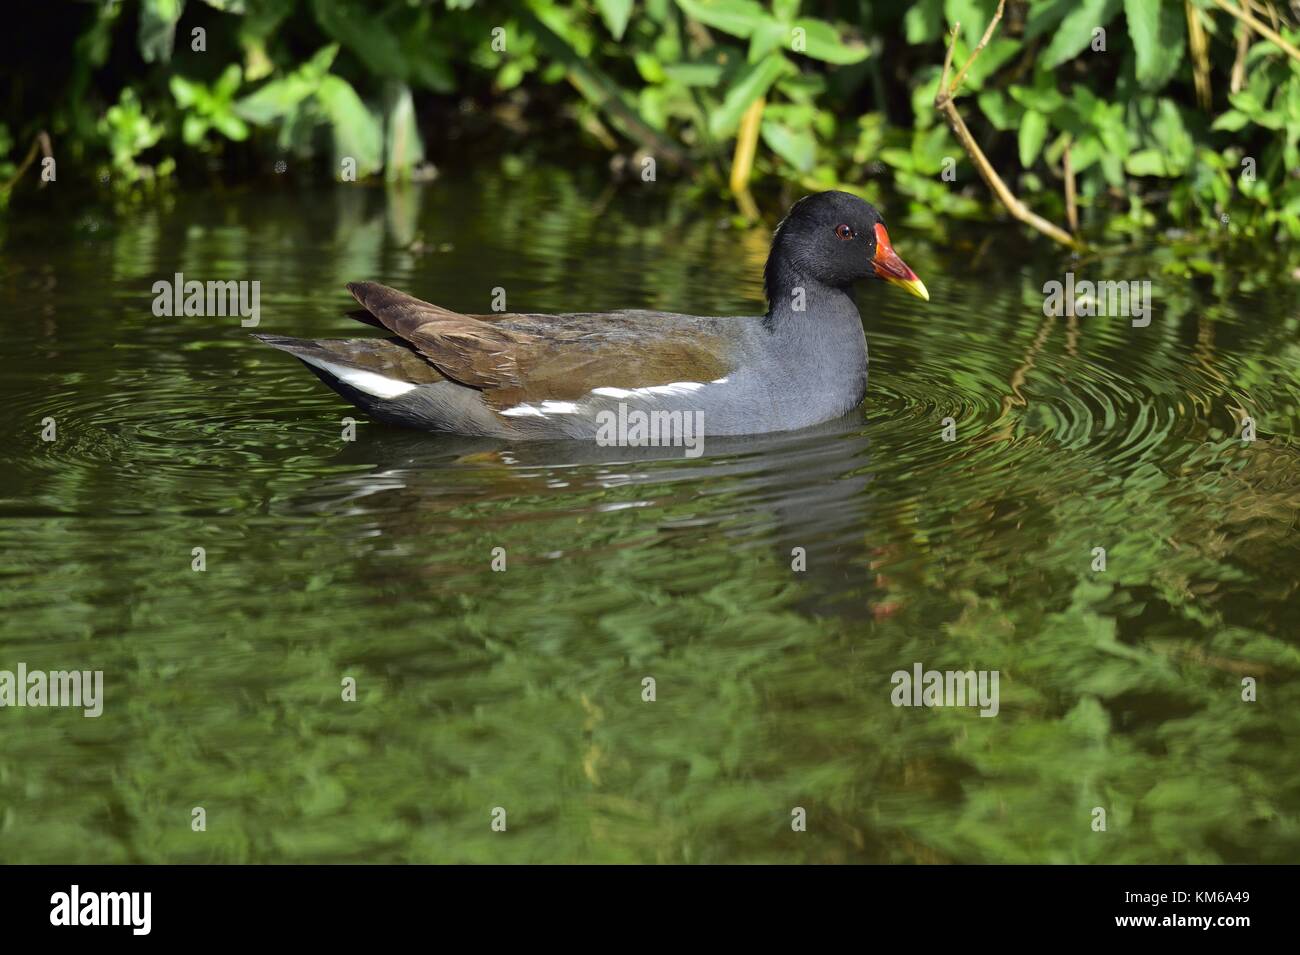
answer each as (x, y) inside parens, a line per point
(844, 232)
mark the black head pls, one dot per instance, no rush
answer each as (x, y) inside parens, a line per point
(835, 239)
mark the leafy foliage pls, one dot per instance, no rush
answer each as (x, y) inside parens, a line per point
(847, 89)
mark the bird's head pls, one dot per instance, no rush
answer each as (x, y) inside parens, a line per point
(838, 239)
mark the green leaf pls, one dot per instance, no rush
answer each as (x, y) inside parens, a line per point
(227, 83)
(273, 101)
(785, 10)
(1247, 102)
(357, 131)
(999, 50)
(930, 148)
(365, 34)
(193, 128)
(737, 17)
(1231, 121)
(1045, 16)
(1156, 28)
(821, 42)
(694, 74)
(427, 50)
(279, 98)
(766, 38)
(230, 125)
(1042, 96)
(898, 158)
(752, 83)
(927, 84)
(1291, 100)
(973, 15)
(1145, 162)
(797, 147)
(923, 22)
(1085, 153)
(1002, 112)
(650, 68)
(1075, 32)
(158, 28)
(405, 149)
(1033, 131)
(615, 13)
(184, 91)
(1112, 167)
(1171, 134)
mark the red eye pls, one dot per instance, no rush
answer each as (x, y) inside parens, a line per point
(844, 232)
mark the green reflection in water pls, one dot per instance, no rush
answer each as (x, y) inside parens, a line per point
(523, 689)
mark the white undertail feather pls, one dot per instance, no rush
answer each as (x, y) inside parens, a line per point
(367, 381)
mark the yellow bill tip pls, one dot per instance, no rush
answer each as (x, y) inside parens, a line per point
(913, 285)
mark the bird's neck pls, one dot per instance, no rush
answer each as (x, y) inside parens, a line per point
(816, 331)
(799, 305)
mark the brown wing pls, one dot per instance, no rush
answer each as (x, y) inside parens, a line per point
(517, 358)
(465, 349)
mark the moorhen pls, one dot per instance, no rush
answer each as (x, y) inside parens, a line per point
(550, 376)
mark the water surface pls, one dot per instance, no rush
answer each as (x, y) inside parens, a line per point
(522, 689)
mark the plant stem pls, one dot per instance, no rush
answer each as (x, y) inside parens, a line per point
(742, 163)
(1264, 31)
(943, 100)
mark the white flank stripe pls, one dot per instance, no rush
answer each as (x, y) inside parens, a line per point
(367, 381)
(547, 407)
(673, 388)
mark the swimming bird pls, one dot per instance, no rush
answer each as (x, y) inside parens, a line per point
(533, 376)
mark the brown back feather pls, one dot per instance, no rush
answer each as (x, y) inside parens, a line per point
(563, 357)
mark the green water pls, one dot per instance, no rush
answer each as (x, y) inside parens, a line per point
(325, 559)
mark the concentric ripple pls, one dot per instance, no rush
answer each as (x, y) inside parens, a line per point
(1074, 503)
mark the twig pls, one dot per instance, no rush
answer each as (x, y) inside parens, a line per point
(1265, 8)
(947, 59)
(742, 163)
(1238, 79)
(1071, 202)
(41, 142)
(1200, 49)
(943, 100)
(984, 41)
(1264, 31)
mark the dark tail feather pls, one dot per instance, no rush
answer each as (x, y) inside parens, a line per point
(388, 357)
(365, 318)
(382, 377)
(298, 346)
